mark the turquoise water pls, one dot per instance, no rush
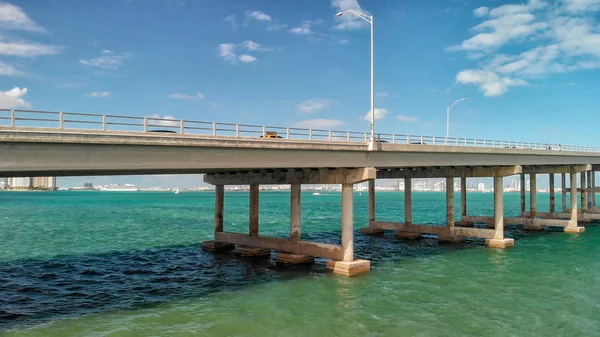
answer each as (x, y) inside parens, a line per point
(130, 264)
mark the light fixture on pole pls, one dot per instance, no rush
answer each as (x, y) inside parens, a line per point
(448, 117)
(368, 19)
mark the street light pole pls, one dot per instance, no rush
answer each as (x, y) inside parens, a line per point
(368, 19)
(448, 117)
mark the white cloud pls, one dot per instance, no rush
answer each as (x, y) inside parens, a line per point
(98, 94)
(8, 70)
(349, 21)
(258, 15)
(303, 29)
(312, 105)
(276, 26)
(162, 121)
(13, 98)
(407, 119)
(231, 20)
(247, 58)
(13, 17)
(253, 46)
(521, 43)
(109, 60)
(481, 12)
(25, 48)
(379, 114)
(319, 123)
(226, 51)
(196, 96)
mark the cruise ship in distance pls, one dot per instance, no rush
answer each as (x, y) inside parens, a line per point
(119, 188)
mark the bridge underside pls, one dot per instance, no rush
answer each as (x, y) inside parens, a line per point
(294, 250)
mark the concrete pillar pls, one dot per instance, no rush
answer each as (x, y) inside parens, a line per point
(219, 206)
(407, 201)
(450, 203)
(551, 188)
(499, 241)
(533, 196)
(593, 193)
(563, 184)
(583, 191)
(463, 196)
(371, 201)
(589, 189)
(254, 202)
(348, 222)
(572, 226)
(295, 217)
(522, 194)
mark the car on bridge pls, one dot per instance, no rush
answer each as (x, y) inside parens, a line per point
(271, 135)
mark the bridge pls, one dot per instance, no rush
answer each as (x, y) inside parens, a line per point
(39, 143)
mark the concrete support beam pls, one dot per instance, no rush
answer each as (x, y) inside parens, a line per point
(219, 207)
(582, 191)
(593, 189)
(533, 195)
(371, 230)
(551, 192)
(563, 184)
(545, 169)
(439, 230)
(441, 172)
(572, 228)
(304, 176)
(450, 202)
(254, 209)
(589, 189)
(348, 222)
(522, 193)
(407, 201)
(295, 212)
(498, 241)
(463, 197)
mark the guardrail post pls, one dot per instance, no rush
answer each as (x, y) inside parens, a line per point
(407, 139)
(422, 140)
(309, 134)
(214, 129)
(394, 138)
(13, 119)
(348, 136)
(237, 130)
(145, 124)
(433, 140)
(104, 127)
(366, 139)
(61, 123)
(456, 141)
(264, 131)
(181, 127)
(484, 143)
(287, 133)
(329, 135)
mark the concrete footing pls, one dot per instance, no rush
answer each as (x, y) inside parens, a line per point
(499, 243)
(251, 251)
(288, 258)
(216, 246)
(371, 231)
(574, 230)
(408, 235)
(350, 268)
(450, 238)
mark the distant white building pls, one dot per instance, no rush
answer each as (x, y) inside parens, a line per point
(21, 182)
(481, 187)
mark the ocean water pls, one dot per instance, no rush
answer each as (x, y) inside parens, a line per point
(131, 264)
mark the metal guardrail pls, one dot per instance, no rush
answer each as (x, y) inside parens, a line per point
(73, 121)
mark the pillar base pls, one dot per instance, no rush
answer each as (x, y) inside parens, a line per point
(251, 251)
(371, 231)
(574, 230)
(499, 243)
(533, 228)
(288, 258)
(216, 246)
(463, 223)
(408, 235)
(450, 238)
(349, 268)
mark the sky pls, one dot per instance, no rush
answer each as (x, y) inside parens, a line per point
(528, 69)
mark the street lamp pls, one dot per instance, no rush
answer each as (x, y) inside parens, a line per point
(368, 19)
(448, 117)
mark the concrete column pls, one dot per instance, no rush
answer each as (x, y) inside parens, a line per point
(593, 189)
(551, 188)
(219, 205)
(407, 201)
(463, 197)
(254, 202)
(573, 196)
(371, 201)
(450, 203)
(563, 184)
(498, 209)
(522, 194)
(589, 189)
(295, 218)
(348, 222)
(583, 191)
(533, 196)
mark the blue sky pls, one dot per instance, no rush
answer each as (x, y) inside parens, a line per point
(528, 69)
